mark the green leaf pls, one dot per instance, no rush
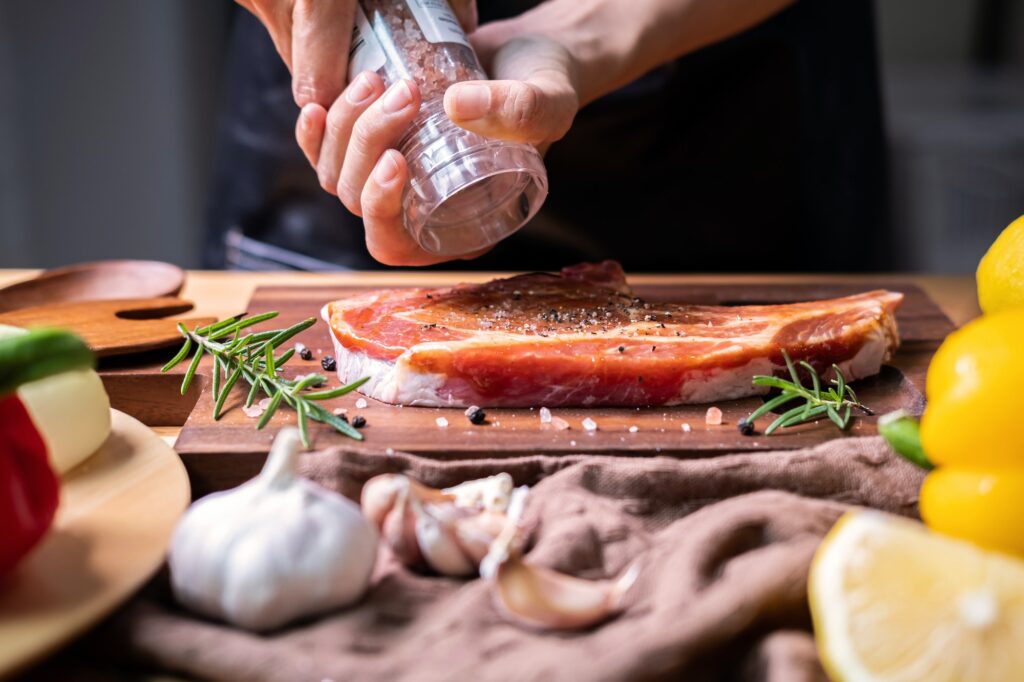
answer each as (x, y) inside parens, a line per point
(182, 354)
(318, 413)
(241, 324)
(253, 391)
(903, 433)
(815, 379)
(830, 410)
(270, 368)
(770, 405)
(216, 377)
(191, 372)
(300, 409)
(275, 402)
(792, 370)
(232, 380)
(785, 418)
(345, 390)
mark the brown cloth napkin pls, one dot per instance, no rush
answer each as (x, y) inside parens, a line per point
(724, 546)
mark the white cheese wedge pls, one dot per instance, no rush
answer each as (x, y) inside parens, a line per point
(70, 410)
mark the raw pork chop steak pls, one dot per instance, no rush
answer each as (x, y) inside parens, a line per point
(581, 338)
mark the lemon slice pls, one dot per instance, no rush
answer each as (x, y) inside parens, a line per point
(892, 601)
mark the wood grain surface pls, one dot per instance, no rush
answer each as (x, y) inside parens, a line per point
(219, 454)
(115, 327)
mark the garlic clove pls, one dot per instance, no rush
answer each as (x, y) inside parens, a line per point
(438, 544)
(379, 496)
(540, 597)
(476, 533)
(491, 493)
(399, 531)
(545, 599)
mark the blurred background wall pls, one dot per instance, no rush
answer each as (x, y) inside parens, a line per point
(84, 177)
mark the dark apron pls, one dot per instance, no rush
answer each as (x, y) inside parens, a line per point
(764, 152)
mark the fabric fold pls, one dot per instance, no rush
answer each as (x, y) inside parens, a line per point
(724, 546)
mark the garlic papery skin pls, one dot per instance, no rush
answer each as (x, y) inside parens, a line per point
(447, 530)
(272, 550)
(541, 598)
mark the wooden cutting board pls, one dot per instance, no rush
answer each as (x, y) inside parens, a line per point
(224, 453)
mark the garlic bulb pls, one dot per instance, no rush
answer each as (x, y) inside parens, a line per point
(274, 549)
(448, 530)
(541, 598)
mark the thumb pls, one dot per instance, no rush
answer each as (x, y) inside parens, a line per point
(535, 105)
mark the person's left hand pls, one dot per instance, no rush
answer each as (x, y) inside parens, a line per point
(533, 99)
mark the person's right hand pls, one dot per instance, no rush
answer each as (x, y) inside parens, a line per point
(313, 36)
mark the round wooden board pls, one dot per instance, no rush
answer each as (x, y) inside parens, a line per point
(113, 526)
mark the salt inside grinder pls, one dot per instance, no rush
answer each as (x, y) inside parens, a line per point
(466, 192)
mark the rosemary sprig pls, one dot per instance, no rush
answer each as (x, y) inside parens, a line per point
(253, 357)
(836, 402)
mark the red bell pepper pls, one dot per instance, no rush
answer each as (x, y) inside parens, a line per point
(28, 485)
(29, 488)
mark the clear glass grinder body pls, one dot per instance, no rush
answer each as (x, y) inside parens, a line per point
(466, 192)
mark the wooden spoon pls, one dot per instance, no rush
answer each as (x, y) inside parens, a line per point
(114, 327)
(102, 280)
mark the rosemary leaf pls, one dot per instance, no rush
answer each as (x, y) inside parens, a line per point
(767, 407)
(182, 354)
(271, 369)
(232, 380)
(815, 379)
(338, 392)
(837, 402)
(191, 372)
(216, 377)
(253, 392)
(830, 410)
(239, 325)
(252, 357)
(300, 409)
(275, 402)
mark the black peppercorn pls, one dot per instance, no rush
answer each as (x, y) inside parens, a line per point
(476, 416)
(745, 427)
(359, 422)
(622, 349)
(328, 363)
(306, 354)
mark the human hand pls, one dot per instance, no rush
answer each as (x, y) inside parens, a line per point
(313, 36)
(352, 145)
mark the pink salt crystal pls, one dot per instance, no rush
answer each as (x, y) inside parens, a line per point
(545, 415)
(264, 404)
(253, 411)
(559, 424)
(686, 428)
(634, 429)
(338, 411)
(713, 417)
(442, 423)
(361, 404)
(589, 424)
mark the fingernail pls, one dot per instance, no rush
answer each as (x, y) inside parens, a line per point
(359, 89)
(472, 101)
(387, 169)
(397, 98)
